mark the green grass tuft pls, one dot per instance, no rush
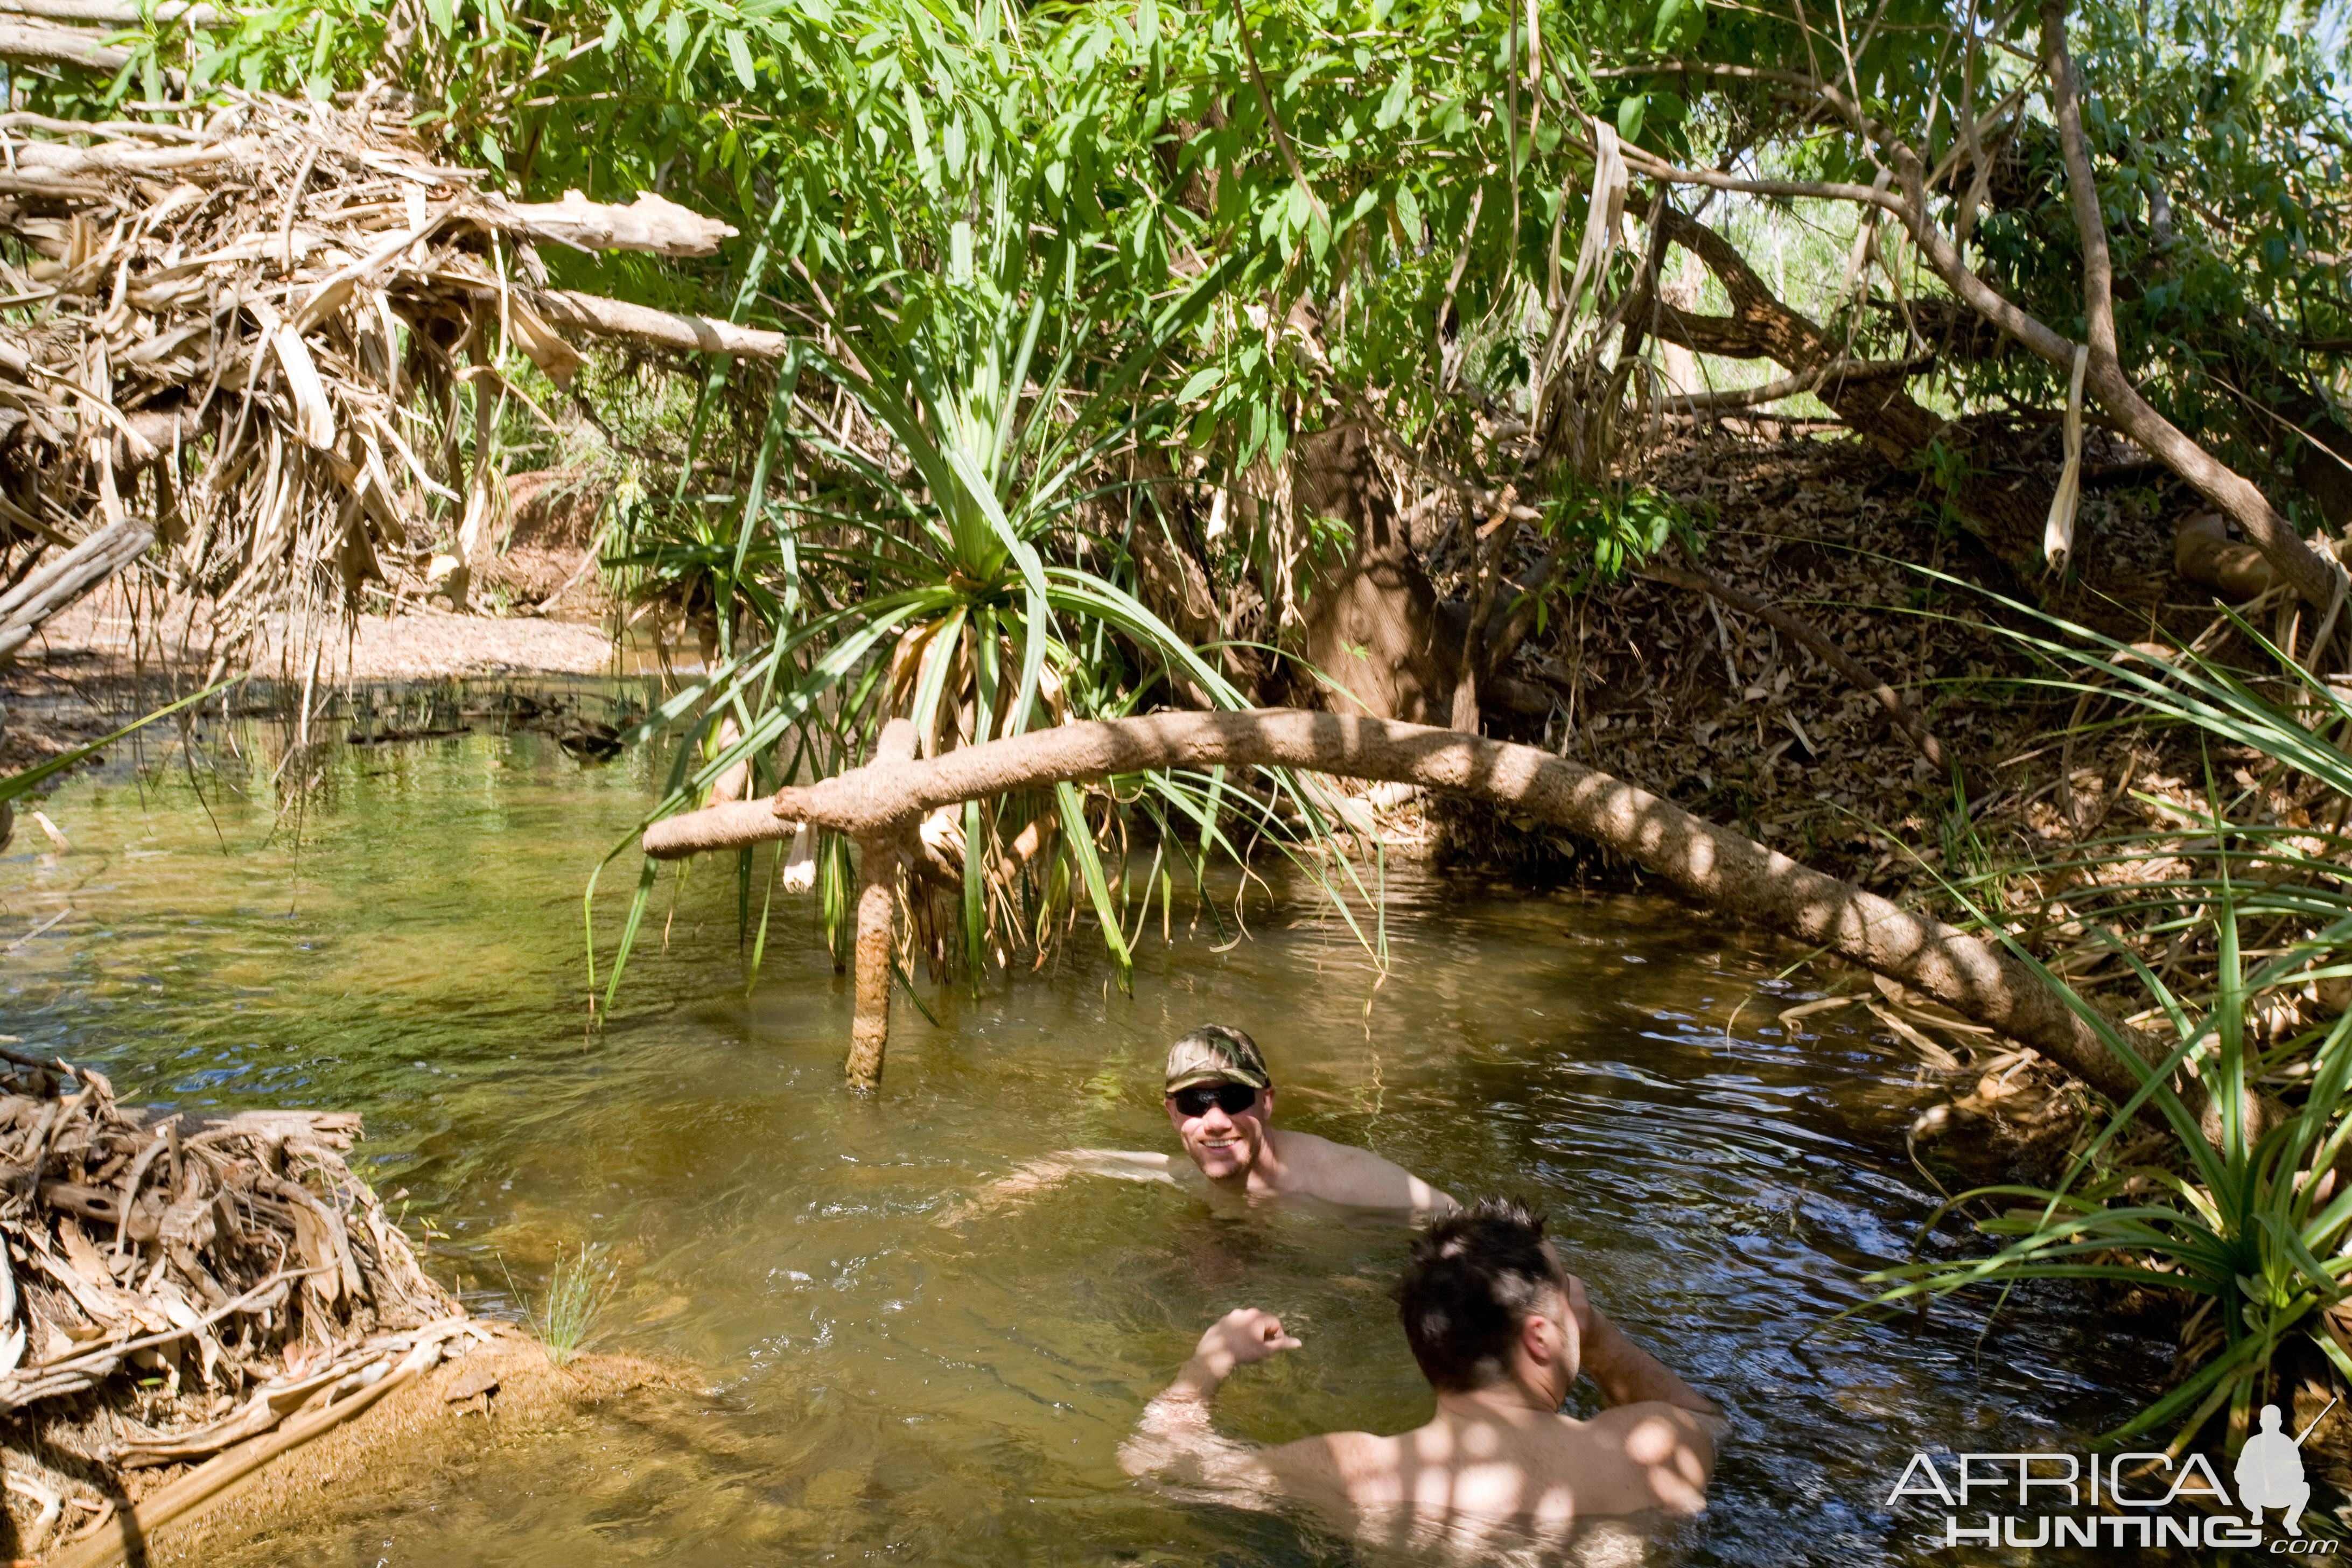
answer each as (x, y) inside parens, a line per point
(578, 1288)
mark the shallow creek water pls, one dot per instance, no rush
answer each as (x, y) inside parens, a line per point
(888, 1386)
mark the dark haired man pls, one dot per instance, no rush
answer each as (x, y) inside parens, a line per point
(1501, 1330)
(1220, 1100)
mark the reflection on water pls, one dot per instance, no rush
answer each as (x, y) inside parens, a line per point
(891, 1386)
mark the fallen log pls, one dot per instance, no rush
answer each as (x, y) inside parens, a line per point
(1723, 868)
(42, 43)
(114, 13)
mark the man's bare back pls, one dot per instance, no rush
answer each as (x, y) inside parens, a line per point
(1497, 1455)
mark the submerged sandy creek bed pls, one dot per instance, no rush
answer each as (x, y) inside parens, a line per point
(870, 1382)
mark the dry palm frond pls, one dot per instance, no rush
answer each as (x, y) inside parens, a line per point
(151, 1270)
(248, 335)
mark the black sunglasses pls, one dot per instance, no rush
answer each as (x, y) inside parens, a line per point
(1233, 1098)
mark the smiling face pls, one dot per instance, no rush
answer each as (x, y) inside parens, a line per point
(1226, 1145)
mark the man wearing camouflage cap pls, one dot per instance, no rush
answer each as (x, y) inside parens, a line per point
(1220, 1099)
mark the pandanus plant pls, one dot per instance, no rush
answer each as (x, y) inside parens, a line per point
(957, 571)
(2245, 1209)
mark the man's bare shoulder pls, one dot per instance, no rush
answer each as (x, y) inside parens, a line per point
(1343, 1173)
(1653, 1423)
(1664, 1454)
(1360, 1469)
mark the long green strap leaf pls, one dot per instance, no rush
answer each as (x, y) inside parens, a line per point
(1081, 849)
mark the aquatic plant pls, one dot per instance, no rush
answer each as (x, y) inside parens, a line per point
(2253, 1225)
(24, 781)
(580, 1289)
(959, 573)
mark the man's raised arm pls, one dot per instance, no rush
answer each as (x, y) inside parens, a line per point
(1176, 1442)
(1678, 1443)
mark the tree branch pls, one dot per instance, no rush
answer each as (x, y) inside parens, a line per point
(1714, 864)
(1274, 121)
(2315, 578)
(40, 44)
(657, 328)
(1806, 381)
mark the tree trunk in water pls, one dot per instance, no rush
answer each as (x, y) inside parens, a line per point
(878, 903)
(877, 892)
(1373, 636)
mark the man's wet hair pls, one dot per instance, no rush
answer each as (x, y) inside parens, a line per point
(1473, 1277)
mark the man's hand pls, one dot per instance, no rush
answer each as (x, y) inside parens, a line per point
(1241, 1336)
(1580, 1308)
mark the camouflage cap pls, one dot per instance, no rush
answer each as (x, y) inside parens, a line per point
(1215, 1054)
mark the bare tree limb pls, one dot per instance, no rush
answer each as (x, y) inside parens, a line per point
(1804, 381)
(1723, 868)
(40, 44)
(659, 329)
(651, 222)
(68, 579)
(113, 12)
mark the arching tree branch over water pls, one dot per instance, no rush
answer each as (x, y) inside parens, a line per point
(1726, 871)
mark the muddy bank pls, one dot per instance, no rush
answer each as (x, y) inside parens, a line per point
(490, 1412)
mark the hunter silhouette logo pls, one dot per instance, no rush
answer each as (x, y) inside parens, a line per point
(2270, 1471)
(2143, 1499)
